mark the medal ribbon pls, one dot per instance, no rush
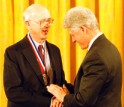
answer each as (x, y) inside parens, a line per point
(39, 59)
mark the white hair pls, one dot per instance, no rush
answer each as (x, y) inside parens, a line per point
(33, 8)
(79, 16)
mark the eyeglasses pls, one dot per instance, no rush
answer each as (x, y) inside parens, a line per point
(44, 22)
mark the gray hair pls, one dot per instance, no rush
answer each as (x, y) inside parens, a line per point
(79, 16)
(32, 8)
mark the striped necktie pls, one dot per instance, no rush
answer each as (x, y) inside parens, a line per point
(41, 52)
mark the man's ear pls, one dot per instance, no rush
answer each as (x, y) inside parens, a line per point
(83, 28)
(27, 24)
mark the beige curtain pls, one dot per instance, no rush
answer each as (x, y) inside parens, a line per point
(12, 29)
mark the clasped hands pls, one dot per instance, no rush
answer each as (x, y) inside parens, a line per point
(59, 94)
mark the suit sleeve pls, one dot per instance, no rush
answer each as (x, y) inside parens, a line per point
(91, 77)
(13, 84)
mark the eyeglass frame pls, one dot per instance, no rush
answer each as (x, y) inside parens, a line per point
(44, 21)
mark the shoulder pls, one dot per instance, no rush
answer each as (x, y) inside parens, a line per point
(52, 46)
(18, 46)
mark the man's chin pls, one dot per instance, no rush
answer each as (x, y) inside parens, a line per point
(44, 37)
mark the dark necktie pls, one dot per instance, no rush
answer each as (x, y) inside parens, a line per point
(44, 73)
(41, 51)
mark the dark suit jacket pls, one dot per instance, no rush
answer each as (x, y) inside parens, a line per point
(98, 82)
(23, 82)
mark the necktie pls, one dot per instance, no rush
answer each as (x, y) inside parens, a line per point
(41, 51)
(44, 74)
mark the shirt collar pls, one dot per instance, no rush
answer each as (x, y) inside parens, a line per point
(37, 44)
(92, 41)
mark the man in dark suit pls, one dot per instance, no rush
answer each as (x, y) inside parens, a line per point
(27, 69)
(99, 79)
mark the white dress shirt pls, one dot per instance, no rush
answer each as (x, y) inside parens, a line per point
(47, 59)
(92, 41)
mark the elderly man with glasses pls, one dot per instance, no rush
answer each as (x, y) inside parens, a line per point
(33, 63)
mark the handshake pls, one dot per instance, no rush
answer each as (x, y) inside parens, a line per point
(59, 94)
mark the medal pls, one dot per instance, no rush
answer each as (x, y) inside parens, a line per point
(45, 78)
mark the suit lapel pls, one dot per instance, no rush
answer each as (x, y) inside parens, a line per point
(53, 61)
(30, 56)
